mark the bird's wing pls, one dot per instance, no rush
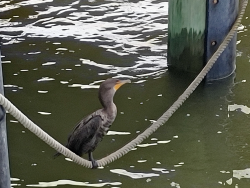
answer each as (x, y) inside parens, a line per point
(84, 132)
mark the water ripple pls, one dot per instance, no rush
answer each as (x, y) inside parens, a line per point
(136, 30)
(71, 182)
(133, 174)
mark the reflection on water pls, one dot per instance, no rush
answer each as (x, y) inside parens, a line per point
(237, 107)
(14, 182)
(162, 170)
(122, 28)
(239, 174)
(117, 133)
(70, 182)
(45, 79)
(44, 113)
(132, 174)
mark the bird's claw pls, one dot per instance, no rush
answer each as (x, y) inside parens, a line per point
(94, 164)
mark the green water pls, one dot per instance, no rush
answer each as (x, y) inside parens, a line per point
(56, 53)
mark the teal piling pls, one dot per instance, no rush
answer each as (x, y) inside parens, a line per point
(4, 157)
(186, 35)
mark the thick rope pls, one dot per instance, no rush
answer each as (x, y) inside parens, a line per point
(164, 118)
(8, 106)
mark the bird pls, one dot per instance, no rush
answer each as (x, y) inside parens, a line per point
(90, 130)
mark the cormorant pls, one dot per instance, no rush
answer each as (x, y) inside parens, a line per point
(90, 131)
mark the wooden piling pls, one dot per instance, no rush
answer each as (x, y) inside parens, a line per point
(4, 157)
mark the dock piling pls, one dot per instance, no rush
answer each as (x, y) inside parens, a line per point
(4, 156)
(196, 29)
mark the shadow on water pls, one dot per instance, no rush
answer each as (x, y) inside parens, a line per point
(56, 54)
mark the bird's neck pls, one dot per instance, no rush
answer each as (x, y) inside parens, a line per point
(110, 108)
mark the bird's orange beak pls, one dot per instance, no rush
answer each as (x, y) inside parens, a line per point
(120, 83)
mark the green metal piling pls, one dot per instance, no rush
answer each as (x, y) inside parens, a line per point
(186, 35)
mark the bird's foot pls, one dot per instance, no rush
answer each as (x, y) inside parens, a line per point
(91, 158)
(94, 164)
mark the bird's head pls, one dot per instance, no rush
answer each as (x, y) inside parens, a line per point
(108, 88)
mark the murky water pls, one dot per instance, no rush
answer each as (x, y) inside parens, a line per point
(55, 55)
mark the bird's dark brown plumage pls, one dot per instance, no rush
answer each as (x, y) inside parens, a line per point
(90, 131)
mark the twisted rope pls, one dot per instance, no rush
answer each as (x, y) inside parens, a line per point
(164, 118)
(27, 123)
